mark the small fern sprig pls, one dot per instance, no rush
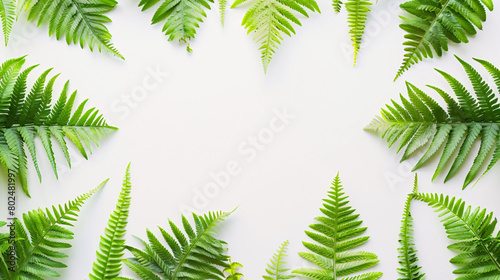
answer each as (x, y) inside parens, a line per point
(472, 231)
(40, 239)
(421, 121)
(195, 254)
(222, 11)
(336, 234)
(357, 13)
(232, 271)
(111, 248)
(408, 259)
(23, 116)
(268, 20)
(7, 16)
(431, 24)
(276, 267)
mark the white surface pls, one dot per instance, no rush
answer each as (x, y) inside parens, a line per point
(193, 121)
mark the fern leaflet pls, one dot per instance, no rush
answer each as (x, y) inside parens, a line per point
(232, 271)
(357, 12)
(7, 15)
(275, 269)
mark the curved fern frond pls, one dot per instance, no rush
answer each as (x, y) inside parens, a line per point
(430, 24)
(40, 239)
(232, 271)
(336, 234)
(109, 256)
(181, 17)
(268, 20)
(408, 259)
(195, 254)
(23, 116)
(357, 12)
(7, 15)
(79, 21)
(421, 121)
(275, 268)
(472, 231)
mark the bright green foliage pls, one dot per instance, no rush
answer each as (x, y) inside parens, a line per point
(430, 24)
(195, 254)
(41, 238)
(421, 120)
(407, 254)
(109, 256)
(232, 271)
(181, 17)
(336, 234)
(269, 19)
(276, 268)
(79, 21)
(26, 115)
(472, 231)
(357, 12)
(222, 11)
(4, 239)
(7, 15)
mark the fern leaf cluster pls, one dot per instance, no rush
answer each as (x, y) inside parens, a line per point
(41, 237)
(431, 24)
(181, 17)
(419, 121)
(276, 269)
(336, 234)
(193, 254)
(23, 116)
(4, 239)
(268, 20)
(112, 246)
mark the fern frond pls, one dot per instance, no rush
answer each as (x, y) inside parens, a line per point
(25, 116)
(78, 21)
(336, 234)
(4, 237)
(421, 121)
(181, 17)
(357, 12)
(232, 271)
(222, 11)
(195, 254)
(275, 268)
(268, 20)
(41, 238)
(472, 231)
(408, 259)
(431, 24)
(7, 15)
(109, 256)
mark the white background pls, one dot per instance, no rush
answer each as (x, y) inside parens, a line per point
(215, 98)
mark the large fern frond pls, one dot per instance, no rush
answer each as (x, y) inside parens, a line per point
(357, 12)
(268, 20)
(336, 234)
(41, 237)
(181, 17)
(79, 21)
(7, 15)
(195, 254)
(109, 256)
(421, 120)
(408, 259)
(276, 267)
(23, 116)
(431, 24)
(472, 231)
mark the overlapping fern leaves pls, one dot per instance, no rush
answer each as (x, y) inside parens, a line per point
(181, 17)
(276, 269)
(431, 24)
(193, 254)
(111, 248)
(40, 239)
(23, 116)
(336, 234)
(421, 120)
(268, 20)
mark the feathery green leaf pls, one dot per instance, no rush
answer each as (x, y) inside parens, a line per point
(276, 267)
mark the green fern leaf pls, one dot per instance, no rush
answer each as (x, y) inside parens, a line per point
(79, 21)
(357, 12)
(421, 122)
(7, 15)
(222, 11)
(40, 239)
(431, 24)
(275, 268)
(181, 17)
(195, 254)
(336, 234)
(478, 249)
(25, 116)
(268, 20)
(232, 271)
(109, 263)
(407, 254)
